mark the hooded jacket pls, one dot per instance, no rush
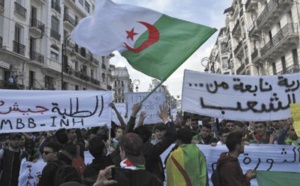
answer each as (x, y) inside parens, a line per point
(230, 171)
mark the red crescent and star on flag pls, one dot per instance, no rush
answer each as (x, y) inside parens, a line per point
(153, 37)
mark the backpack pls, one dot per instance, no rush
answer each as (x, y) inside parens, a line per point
(66, 173)
(215, 177)
(77, 161)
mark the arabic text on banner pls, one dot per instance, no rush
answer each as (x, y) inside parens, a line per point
(36, 110)
(238, 97)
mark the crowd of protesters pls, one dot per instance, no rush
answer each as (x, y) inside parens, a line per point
(129, 154)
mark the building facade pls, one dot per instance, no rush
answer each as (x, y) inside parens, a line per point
(261, 37)
(36, 50)
(120, 83)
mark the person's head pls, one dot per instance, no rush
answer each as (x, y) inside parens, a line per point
(260, 128)
(50, 151)
(71, 134)
(97, 147)
(160, 130)
(22, 141)
(223, 134)
(238, 127)
(205, 130)
(229, 124)
(14, 140)
(62, 136)
(184, 136)
(235, 143)
(291, 132)
(144, 132)
(194, 124)
(131, 146)
(119, 131)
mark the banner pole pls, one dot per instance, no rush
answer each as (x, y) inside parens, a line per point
(152, 91)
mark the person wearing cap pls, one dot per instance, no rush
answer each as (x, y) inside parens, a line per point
(132, 171)
(10, 161)
(186, 165)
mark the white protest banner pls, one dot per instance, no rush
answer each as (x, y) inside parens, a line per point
(243, 98)
(121, 107)
(256, 157)
(37, 110)
(30, 172)
(150, 106)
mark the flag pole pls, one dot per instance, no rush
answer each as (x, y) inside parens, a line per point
(152, 91)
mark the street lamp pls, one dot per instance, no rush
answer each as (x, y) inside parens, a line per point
(208, 64)
(64, 57)
(136, 82)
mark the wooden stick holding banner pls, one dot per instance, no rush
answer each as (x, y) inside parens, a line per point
(152, 91)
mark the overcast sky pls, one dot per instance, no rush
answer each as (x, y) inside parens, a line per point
(206, 12)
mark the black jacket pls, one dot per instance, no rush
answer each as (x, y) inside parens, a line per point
(49, 172)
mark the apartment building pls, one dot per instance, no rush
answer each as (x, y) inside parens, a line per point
(36, 49)
(261, 36)
(120, 82)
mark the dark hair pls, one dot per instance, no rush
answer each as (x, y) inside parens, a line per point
(239, 124)
(223, 130)
(207, 126)
(263, 122)
(53, 145)
(234, 139)
(160, 127)
(144, 132)
(96, 146)
(62, 136)
(65, 174)
(185, 135)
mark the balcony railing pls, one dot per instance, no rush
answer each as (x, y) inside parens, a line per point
(68, 18)
(290, 69)
(36, 23)
(55, 6)
(238, 47)
(269, 7)
(37, 57)
(20, 10)
(288, 29)
(18, 48)
(55, 35)
(2, 3)
(1, 40)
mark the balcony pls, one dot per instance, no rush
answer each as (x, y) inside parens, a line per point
(289, 70)
(20, 10)
(36, 27)
(251, 5)
(55, 35)
(96, 62)
(69, 21)
(236, 31)
(1, 40)
(35, 56)
(103, 66)
(1, 5)
(272, 12)
(238, 48)
(19, 48)
(55, 6)
(284, 39)
(255, 56)
(240, 69)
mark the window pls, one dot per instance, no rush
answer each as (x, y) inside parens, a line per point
(55, 24)
(295, 56)
(76, 87)
(274, 68)
(283, 64)
(87, 7)
(81, 2)
(103, 77)
(54, 56)
(92, 73)
(18, 33)
(31, 79)
(76, 65)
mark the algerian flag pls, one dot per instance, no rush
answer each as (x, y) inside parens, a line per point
(153, 43)
(276, 178)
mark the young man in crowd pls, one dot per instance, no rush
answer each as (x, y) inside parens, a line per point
(50, 157)
(261, 134)
(10, 161)
(159, 133)
(204, 137)
(229, 171)
(186, 165)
